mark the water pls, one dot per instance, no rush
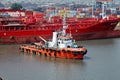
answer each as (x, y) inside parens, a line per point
(100, 63)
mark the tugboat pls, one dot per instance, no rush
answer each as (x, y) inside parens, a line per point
(62, 45)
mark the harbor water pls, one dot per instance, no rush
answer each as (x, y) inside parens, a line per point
(102, 62)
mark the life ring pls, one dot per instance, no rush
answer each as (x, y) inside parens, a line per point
(55, 51)
(40, 53)
(54, 54)
(58, 52)
(22, 49)
(68, 51)
(26, 50)
(45, 54)
(43, 49)
(34, 52)
(63, 50)
(50, 50)
(49, 54)
(47, 50)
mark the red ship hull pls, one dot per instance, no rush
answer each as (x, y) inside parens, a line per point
(81, 29)
(20, 37)
(79, 36)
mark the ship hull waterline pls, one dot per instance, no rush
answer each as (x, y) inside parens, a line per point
(33, 36)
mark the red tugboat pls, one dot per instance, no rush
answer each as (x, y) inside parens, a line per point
(19, 26)
(61, 46)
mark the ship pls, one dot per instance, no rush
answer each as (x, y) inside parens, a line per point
(22, 26)
(62, 45)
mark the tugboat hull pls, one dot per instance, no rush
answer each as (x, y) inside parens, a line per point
(52, 52)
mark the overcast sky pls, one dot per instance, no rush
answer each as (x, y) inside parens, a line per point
(52, 0)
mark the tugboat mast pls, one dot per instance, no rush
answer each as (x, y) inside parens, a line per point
(64, 24)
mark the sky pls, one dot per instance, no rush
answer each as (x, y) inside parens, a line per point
(52, 0)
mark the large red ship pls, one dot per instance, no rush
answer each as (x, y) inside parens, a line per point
(20, 26)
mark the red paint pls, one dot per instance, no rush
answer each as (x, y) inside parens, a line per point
(31, 26)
